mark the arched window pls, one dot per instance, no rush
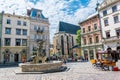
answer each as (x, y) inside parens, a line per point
(84, 41)
(90, 40)
(97, 39)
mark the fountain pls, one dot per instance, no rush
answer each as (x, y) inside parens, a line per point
(36, 65)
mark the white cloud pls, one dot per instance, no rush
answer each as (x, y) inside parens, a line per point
(51, 9)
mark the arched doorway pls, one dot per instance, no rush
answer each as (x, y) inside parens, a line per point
(16, 57)
(6, 57)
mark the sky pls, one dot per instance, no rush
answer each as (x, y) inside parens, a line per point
(70, 11)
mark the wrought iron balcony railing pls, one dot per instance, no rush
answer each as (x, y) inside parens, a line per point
(40, 30)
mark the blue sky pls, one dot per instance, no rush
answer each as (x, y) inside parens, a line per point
(71, 11)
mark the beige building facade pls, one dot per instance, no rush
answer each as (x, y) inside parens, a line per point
(65, 40)
(14, 37)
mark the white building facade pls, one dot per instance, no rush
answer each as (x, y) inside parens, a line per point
(38, 23)
(14, 37)
(109, 12)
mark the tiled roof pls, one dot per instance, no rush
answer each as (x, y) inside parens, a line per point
(68, 28)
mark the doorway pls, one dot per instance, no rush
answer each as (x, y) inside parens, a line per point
(6, 57)
(16, 57)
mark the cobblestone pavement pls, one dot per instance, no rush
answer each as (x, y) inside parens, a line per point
(78, 71)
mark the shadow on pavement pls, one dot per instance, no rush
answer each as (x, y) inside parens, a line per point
(9, 65)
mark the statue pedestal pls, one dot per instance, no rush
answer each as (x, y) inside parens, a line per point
(40, 67)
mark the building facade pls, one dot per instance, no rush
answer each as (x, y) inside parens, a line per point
(0, 34)
(109, 12)
(91, 41)
(65, 40)
(38, 24)
(14, 37)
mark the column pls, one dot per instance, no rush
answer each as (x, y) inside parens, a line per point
(94, 50)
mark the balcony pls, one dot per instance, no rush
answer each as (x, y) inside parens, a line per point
(90, 32)
(93, 44)
(40, 30)
(113, 38)
(39, 19)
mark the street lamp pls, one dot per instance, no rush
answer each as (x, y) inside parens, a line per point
(58, 48)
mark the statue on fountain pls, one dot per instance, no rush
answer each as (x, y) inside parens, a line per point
(40, 57)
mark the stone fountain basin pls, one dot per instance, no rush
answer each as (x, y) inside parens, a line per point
(40, 67)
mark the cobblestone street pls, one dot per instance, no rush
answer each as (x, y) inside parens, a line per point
(78, 71)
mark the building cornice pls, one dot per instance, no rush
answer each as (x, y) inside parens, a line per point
(107, 3)
(95, 15)
(14, 15)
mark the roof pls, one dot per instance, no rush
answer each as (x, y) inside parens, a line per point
(90, 16)
(33, 12)
(68, 28)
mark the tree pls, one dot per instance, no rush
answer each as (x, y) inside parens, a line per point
(78, 39)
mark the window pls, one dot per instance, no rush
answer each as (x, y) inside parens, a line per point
(18, 22)
(8, 21)
(114, 8)
(85, 41)
(118, 32)
(83, 30)
(116, 19)
(107, 34)
(35, 28)
(89, 28)
(90, 40)
(33, 13)
(18, 31)
(24, 32)
(104, 12)
(97, 39)
(7, 30)
(106, 22)
(24, 23)
(24, 42)
(18, 41)
(7, 41)
(95, 26)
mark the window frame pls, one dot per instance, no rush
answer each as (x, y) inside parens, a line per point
(114, 8)
(95, 26)
(6, 32)
(8, 21)
(106, 23)
(23, 33)
(116, 19)
(17, 43)
(83, 30)
(18, 31)
(7, 44)
(24, 44)
(24, 23)
(104, 12)
(108, 34)
(19, 22)
(89, 28)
